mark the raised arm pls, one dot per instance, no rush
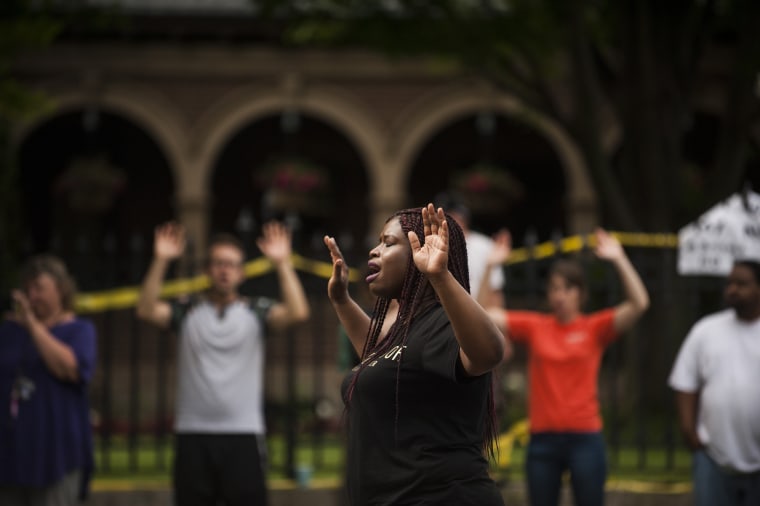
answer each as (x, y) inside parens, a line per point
(636, 296)
(480, 341)
(354, 320)
(502, 248)
(168, 245)
(276, 244)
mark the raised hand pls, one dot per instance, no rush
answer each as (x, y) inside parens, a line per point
(502, 248)
(433, 257)
(169, 241)
(275, 242)
(337, 286)
(22, 313)
(607, 246)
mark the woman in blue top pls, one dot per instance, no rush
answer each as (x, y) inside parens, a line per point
(47, 359)
(420, 403)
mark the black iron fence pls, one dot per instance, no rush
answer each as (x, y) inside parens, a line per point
(133, 390)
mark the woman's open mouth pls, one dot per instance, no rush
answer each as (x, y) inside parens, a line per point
(374, 272)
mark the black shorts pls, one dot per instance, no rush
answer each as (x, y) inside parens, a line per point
(219, 468)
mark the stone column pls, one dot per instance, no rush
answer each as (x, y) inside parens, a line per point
(387, 193)
(193, 212)
(193, 205)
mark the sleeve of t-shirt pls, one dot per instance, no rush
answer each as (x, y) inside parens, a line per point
(82, 342)
(602, 325)
(521, 325)
(179, 309)
(685, 376)
(261, 307)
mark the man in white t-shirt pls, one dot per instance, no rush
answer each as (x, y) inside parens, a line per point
(219, 420)
(716, 377)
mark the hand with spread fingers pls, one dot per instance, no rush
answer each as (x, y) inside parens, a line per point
(432, 257)
(607, 246)
(169, 241)
(337, 286)
(275, 242)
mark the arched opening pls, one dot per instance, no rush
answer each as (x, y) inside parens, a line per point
(93, 185)
(507, 172)
(295, 168)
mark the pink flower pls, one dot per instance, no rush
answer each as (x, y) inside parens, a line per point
(477, 183)
(294, 176)
(308, 182)
(282, 179)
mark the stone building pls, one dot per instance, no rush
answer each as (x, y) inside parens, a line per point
(187, 115)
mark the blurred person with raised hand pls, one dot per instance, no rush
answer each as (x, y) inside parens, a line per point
(220, 432)
(565, 349)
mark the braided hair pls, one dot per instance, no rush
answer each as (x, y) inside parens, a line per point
(417, 294)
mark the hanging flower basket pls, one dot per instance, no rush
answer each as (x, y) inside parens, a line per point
(90, 184)
(488, 188)
(293, 184)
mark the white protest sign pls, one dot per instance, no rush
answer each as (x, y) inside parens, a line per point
(726, 232)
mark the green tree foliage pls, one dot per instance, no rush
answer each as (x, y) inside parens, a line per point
(594, 66)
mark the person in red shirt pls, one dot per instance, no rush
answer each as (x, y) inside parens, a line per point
(565, 349)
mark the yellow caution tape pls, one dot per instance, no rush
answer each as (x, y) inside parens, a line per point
(649, 487)
(641, 240)
(125, 297)
(518, 433)
(578, 242)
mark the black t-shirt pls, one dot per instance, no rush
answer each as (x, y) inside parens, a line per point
(420, 443)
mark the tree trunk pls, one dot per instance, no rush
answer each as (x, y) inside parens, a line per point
(588, 95)
(740, 106)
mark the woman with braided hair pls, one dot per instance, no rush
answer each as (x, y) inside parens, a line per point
(420, 404)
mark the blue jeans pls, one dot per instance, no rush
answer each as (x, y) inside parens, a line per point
(550, 454)
(714, 486)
